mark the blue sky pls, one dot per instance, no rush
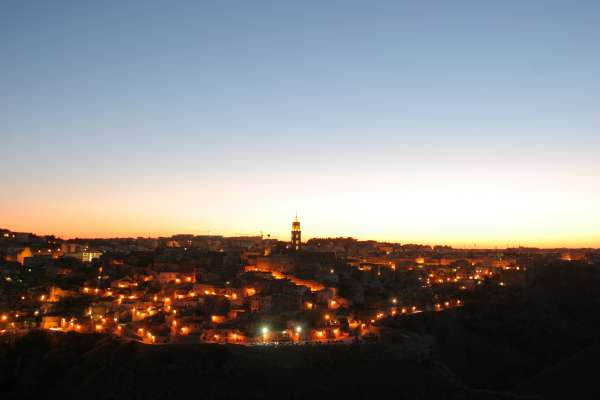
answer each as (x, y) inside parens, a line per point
(156, 117)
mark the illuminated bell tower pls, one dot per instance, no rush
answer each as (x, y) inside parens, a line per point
(296, 234)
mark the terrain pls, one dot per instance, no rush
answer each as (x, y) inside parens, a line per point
(540, 341)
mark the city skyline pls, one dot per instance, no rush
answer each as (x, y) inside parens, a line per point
(295, 238)
(398, 121)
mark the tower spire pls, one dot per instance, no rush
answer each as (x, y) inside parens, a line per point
(296, 241)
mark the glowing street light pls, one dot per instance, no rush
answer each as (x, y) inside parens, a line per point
(265, 333)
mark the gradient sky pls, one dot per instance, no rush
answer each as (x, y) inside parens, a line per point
(455, 122)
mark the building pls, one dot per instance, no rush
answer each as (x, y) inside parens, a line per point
(296, 234)
(18, 254)
(276, 263)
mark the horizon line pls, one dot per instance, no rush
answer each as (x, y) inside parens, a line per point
(358, 238)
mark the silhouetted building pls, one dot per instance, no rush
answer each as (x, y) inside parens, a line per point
(296, 234)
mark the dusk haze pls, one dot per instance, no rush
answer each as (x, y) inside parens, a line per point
(441, 122)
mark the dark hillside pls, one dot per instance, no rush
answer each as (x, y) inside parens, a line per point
(505, 336)
(576, 378)
(44, 365)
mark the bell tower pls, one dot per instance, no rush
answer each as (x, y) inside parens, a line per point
(296, 234)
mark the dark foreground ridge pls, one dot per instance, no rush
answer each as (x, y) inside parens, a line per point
(535, 342)
(56, 365)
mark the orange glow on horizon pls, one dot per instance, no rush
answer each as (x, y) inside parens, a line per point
(542, 240)
(460, 207)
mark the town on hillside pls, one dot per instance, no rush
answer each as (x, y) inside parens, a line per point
(250, 290)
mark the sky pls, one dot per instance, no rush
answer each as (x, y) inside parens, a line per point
(455, 122)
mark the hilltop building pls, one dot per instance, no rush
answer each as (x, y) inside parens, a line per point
(296, 234)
